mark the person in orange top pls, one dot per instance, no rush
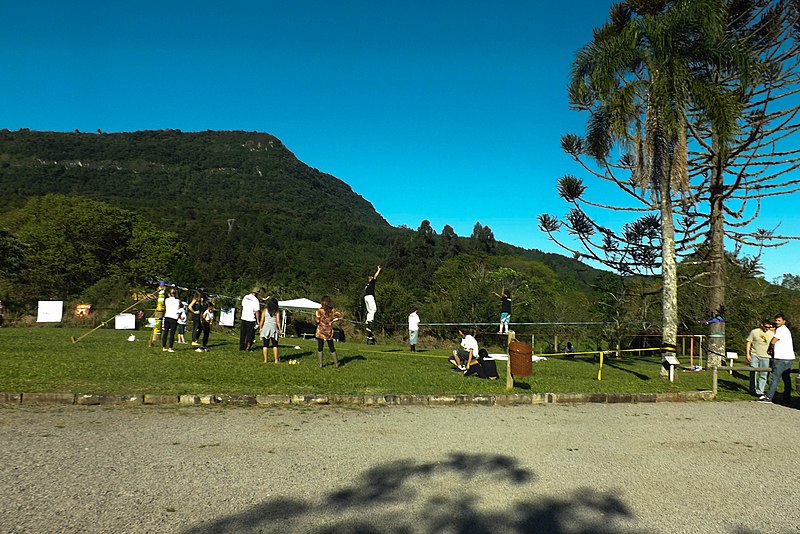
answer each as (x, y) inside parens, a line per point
(325, 317)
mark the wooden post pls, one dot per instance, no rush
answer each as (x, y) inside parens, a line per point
(509, 378)
(714, 382)
(162, 290)
(533, 343)
(700, 350)
(555, 343)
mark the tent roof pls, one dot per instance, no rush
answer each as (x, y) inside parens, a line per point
(301, 304)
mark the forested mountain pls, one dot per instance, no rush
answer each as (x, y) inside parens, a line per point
(83, 215)
(243, 203)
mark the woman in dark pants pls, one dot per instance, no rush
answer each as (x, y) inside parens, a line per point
(325, 317)
(195, 309)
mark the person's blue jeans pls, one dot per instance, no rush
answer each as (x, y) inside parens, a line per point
(758, 379)
(780, 370)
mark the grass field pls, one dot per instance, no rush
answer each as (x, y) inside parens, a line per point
(45, 360)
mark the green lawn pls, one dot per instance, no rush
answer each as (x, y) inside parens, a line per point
(45, 360)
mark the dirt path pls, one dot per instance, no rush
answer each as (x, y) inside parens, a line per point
(667, 467)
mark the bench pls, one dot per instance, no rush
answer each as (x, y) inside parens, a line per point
(731, 368)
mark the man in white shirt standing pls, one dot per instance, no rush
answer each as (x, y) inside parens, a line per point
(783, 359)
(413, 330)
(251, 313)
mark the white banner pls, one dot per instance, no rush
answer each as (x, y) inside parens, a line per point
(125, 321)
(50, 311)
(226, 316)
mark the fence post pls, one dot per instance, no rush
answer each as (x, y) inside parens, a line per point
(509, 378)
(159, 315)
(714, 382)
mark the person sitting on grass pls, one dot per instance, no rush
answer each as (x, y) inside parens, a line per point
(462, 358)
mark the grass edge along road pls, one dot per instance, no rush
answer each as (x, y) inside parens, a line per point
(43, 359)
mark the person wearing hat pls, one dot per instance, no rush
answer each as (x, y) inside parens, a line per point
(251, 313)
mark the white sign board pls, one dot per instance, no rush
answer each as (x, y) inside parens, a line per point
(50, 311)
(226, 316)
(125, 321)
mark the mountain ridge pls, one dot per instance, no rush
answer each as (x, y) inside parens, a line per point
(219, 190)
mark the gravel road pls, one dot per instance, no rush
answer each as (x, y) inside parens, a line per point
(666, 467)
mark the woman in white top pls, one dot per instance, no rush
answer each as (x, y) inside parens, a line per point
(172, 308)
(271, 328)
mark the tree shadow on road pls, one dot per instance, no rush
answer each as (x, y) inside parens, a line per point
(410, 496)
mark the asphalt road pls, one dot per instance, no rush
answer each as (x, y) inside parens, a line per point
(667, 467)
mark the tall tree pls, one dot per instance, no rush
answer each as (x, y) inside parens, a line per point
(756, 161)
(639, 80)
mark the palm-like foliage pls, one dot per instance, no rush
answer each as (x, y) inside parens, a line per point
(647, 71)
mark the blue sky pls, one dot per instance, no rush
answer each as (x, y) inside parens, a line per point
(440, 110)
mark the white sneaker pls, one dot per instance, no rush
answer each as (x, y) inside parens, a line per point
(170, 350)
(163, 349)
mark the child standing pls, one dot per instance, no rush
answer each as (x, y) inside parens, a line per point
(182, 323)
(206, 319)
(271, 328)
(505, 311)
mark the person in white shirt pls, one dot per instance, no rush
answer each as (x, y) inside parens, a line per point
(251, 313)
(463, 357)
(413, 330)
(172, 307)
(182, 320)
(783, 358)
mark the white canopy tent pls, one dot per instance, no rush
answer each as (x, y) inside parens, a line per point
(302, 304)
(297, 305)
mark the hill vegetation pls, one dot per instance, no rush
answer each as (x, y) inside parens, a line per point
(90, 216)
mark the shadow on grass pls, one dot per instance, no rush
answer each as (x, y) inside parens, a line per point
(347, 359)
(617, 364)
(408, 496)
(730, 385)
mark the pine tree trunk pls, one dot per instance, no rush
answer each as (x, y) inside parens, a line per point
(716, 268)
(669, 274)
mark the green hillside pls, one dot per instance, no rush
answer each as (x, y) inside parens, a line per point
(224, 210)
(241, 201)
(221, 192)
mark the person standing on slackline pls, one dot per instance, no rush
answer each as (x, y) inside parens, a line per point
(369, 300)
